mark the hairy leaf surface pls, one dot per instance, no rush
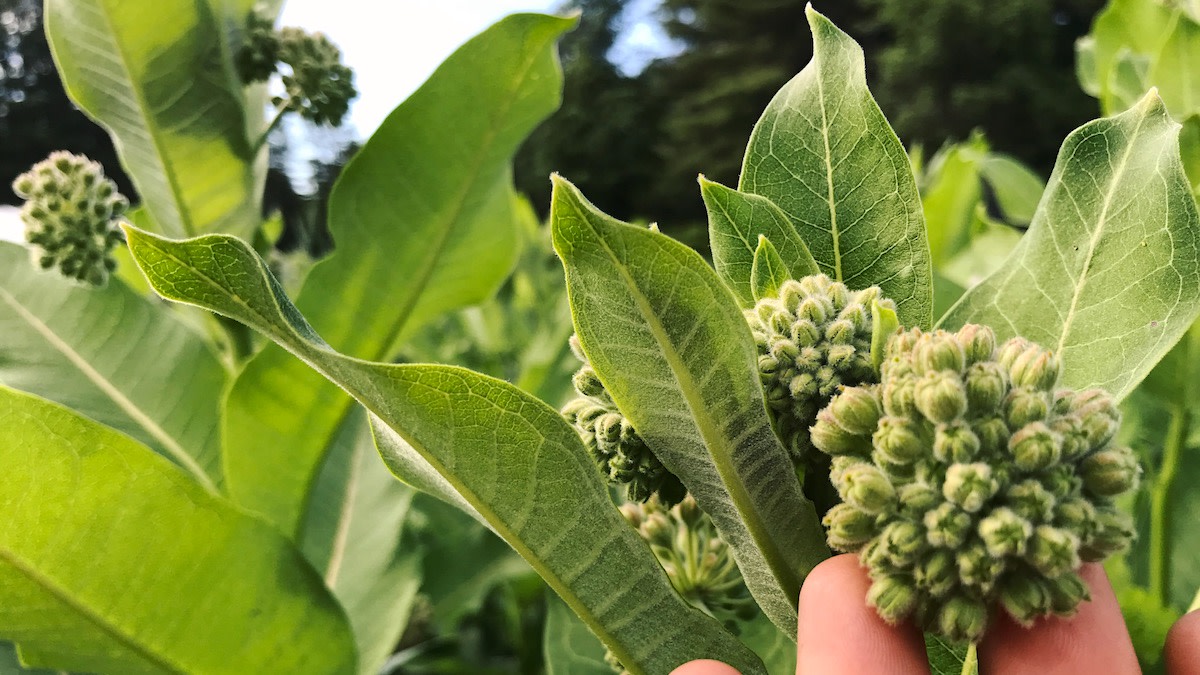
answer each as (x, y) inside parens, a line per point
(511, 457)
(425, 221)
(824, 153)
(113, 560)
(113, 356)
(675, 353)
(1108, 275)
(159, 83)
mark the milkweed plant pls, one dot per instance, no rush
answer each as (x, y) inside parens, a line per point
(193, 486)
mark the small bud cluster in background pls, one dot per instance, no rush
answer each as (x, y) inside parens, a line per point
(697, 561)
(813, 339)
(316, 84)
(70, 215)
(968, 479)
(612, 441)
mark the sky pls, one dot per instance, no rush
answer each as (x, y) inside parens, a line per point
(394, 45)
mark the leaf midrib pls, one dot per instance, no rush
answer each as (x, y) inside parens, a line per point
(1101, 224)
(173, 447)
(833, 224)
(87, 613)
(714, 440)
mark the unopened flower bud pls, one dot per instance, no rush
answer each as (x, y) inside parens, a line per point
(849, 528)
(937, 573)
(955, 442)
(1024, 406)
(1053, 551)
(1110, 472)
(903, 541)
(657, 530)
(864, 486)
(829, 437)
(632, 514)
(840, 332)
(1035, 368)
(892, 597)
(812, 309)
(940, 353)
(856, 410)
(897, 441)
(963, 619)
(1035, 447)
(941, 396)
(587, 383)
(947, 526)
(969, 485)
(1030, 500)
(1005, 533)
(1113, 532)
(919, 496)
(1013, 348)
(1066, 592)
(804, 332)
(993, 436)
(899, 397)
(1025, 598)
(987, 385)
(978, 342)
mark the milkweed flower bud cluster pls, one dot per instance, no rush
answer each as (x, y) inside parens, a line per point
(697, 561)
(813, 338)
(70, 216)
(610, 438)
(967, 479)
(316, 83)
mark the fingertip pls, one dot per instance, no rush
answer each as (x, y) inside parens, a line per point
(1094, 640)
(833, 613)
(1182, 651)
(705, 667)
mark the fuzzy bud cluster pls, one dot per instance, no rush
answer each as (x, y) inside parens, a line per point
(614, 444)
(967, 480)
(697, 561)
(316, 83)
(813, 338)
(70, 216)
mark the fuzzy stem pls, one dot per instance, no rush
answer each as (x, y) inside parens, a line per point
(1160, 507)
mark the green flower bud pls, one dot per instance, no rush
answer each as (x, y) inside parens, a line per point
(1112, 533)
(937, 573)
(970, 485)
(1110, 472)
(963, 619)
(657, 530)
(955, 442)
(813, 309)
(987, 385)
(903, 542)
(1035, 447)
(1066, 592)
(941, 396)
(587, 383)
(947, 526)
(849, 528)
(896, 440)
(1024, 406)
(256, 59)
(318, 87)
(1004, 533)
(70, 216)
(1053, 551)
(804, 332)
(978, 342)
(1025, 598)
(899, 397)
(1031, 501)
(939, 353)
(893, 597)
(865, 487)
(829, 437)
(1034, 368)
(993, 435)
(856, 410)
(977, 568)
(919, 496)
(632, 514)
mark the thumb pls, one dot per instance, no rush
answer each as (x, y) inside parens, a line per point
(1182, 651)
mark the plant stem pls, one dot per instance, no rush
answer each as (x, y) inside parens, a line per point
(1160, 507)
(971, 662)
(262, 140)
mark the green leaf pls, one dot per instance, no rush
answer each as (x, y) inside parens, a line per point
(1015, 188)
(736, 220)
(113, 560)
(1108, 275)
(768, 272)
(951, 196)
(511, 457)
(569, 647)
(425, 221)
(777, 650)
(355, 535)
(824, 153)
(884, 324)
(948, 658)
(156, 79)
(670, 343)
(113, 356)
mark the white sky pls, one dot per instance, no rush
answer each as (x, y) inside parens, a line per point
(395, 45)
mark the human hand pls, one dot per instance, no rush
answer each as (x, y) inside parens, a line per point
(839, 634)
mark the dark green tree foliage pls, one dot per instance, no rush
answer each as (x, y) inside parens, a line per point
(36, 117)
(1008, 67)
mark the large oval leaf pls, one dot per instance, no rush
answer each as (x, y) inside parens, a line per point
(112, 560)
(114, 356)
(511, 457)
(1108, 275)
(824, 153)
(425, 221)
(670, 343)
(155, 76)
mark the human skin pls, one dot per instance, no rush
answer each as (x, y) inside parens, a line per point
(839, 634)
